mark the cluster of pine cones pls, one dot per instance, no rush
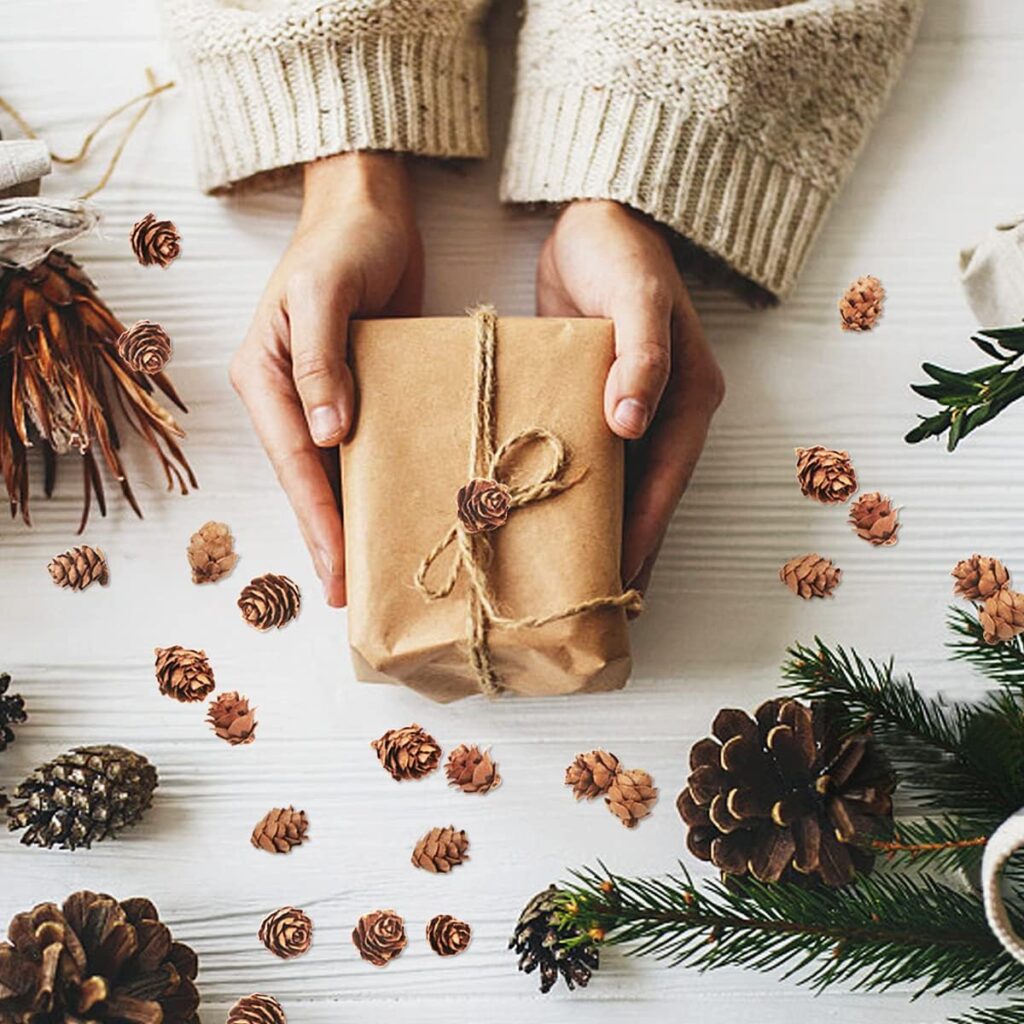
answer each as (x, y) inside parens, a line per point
(985, 582)
(629, 793)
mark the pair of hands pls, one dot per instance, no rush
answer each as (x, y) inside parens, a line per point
(357, 252)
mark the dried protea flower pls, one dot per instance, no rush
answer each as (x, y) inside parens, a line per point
(155, 241)
(145, 347)
(861, 304)
(826, 475)
(483, 505)
(379, 936)
(1002, 616)
(447, 935)
(875, 518)
(810, 576)
(979, 577)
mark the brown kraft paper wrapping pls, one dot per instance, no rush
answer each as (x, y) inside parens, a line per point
(402, 469)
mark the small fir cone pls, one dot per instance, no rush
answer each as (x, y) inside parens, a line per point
(591, 774)
(280, 829)
(875, 518)
(472, 770)
(155, 241)
(407, 753)
(861, 304)
(447, 935)
(287, 932)
(631, 796)
(232, 719)
(269, 601)
(183, 674)
(826, 475)
(1002, 616)
(12, 712)
(79, 567)
(979, 577)
(379, 937)
(440, 850)
(211, 552)
(257, 1009)
(546, 942)
(145, 347)
(810, 576)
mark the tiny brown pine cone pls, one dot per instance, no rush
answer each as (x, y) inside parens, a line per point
(875, 518)
(407, 753)
(472, 770)
(269, 601)
(287, 932)
(183, 674)
(979, 577)
(257, 1009)
(810, 576)
(447, 935)
(1002, 616)
(232, 719)
(211, 552)
(440, 850)
(379, 936)
(280, 829)
(155, 241)
(826, 475)
(631, 796)
(78, 567)
(145, 347)
(591, 774)
(861, 304)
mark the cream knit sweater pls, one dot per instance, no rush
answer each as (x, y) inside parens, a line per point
(734, 122)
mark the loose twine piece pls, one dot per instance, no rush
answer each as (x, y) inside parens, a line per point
(473, 550)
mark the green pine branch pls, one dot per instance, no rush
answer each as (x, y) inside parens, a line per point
(1003, 662)
(1010, 1014)
(944, 843)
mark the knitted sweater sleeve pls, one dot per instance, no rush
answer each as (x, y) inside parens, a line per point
(734, 122)
(275, 83)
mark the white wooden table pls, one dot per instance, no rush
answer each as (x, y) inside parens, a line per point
(943, 165)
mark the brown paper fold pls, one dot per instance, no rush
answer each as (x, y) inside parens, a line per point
(403, 466)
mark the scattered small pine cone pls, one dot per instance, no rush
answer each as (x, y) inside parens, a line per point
(232, 719)
(875, 518)
(631, 796)
(591, 774)
(280, 829)
(287, 932)
(447, 935)
(183, 674)
(861, 304)
(979, 577)
(257, 1009)
(1002, 616)
(79, 567)
(440, 850)
(12, 711)
(407, 753)
(269, 601)
(211, 552)
(379, 936)
(472, 770)
(155, 241)
(145, 347)
(826, 475)
(810, 576)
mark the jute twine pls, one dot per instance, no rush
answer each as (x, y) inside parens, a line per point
(473, 549)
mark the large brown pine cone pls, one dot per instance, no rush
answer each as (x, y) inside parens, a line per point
(257, 1009)
(591, 774)
(826, 475)
(810, 576)
(472, 770)
(269, 601)
(96, 960)
(211, 552)
(183, 674)
(232, 719)
(1002, 616)
(407, 753)
(280, 829)
(145, 347)
(861, 304)
(287, 932)
(979, 577)
(78, 567)
(875, 518)
(785, 795)
(379, 936)
(155, 241)
(12, 711)
(441, 849)
(447, 935)
(631, 796)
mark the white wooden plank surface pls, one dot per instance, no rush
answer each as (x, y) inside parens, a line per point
(943, 165)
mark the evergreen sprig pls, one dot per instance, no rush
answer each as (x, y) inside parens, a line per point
(1003, 662)
(1013, 1013)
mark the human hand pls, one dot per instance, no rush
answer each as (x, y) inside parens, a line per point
(356, 251)
(603, 259)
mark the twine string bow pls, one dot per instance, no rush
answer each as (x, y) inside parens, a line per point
(472, 549)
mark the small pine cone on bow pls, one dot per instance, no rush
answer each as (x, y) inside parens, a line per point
(875, 518)
(257, 1009)
(379, 936)
(280, 829)
(591, 774)
(211, 552)
(1002, 616)
(440, 850)
(631, 796)
(155, 241)
(979, 577)
(826, 475)
(287, 932)
(861, 304)
(447, 935)
(472, 770)
(79, 567)
(232, 719)
(269, 601)
(183, 674)
(407, 753)
(145, 347)
(810, 576)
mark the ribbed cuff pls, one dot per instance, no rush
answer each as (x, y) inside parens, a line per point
(268, 108)
(680, 168)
